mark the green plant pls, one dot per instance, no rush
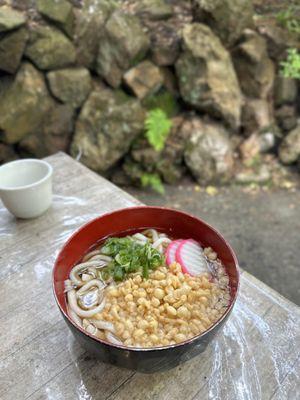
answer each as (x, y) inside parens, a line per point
(289, 20)
(127, 257)
(157, 128)
(153, 181)
(291, 67)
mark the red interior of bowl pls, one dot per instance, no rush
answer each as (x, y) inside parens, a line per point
(129, 220)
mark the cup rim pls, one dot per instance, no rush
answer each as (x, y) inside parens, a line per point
(30, 185)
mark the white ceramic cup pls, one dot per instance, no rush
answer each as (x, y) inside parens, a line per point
(26, 187)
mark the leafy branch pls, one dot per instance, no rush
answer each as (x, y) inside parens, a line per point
(291, 67)
(153, 181)
(158, 127)
(289, 20)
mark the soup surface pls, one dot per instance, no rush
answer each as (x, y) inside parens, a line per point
(146, 290)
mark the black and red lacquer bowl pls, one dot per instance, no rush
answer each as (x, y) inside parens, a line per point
(176, 224)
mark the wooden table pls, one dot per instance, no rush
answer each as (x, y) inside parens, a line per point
(256, 356)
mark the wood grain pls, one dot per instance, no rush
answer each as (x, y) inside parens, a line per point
(256, 356)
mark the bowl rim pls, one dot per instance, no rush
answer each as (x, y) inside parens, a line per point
(158, 348)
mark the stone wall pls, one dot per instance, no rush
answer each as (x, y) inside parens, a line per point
(80, 76)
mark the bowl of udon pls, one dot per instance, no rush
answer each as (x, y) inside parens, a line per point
(146, 288)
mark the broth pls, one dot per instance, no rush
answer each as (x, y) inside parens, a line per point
(146, 290)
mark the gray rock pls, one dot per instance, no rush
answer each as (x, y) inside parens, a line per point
(260, 176)
(285, 91)
(289, 149)
(144, 79)
(132, 173)
(278, 39)
(22, 5)
(7, 153)
(236, 140)
(227, 18)
(12, 47)
(90, 20)
(254, 68)
(5, 83)
(209, 154)
(24, 104)
(76, 3)
(286, 117)
(250, 147)
(54, 134)
(165, 44)
(170, 81)
(257, 143)
(60, 121)
(153, 9)
(108, 123)
(120, 178)
(10, 18)
(60, 12)
(49, 48)
(267, 141)
(70, 85)
(206, 76)
(256, 115)
(123, 44)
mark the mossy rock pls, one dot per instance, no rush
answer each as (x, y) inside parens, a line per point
(207, 79)
(123, 43)
(24, 104)
(89, 22)
(163, 100)
(227, 18)
(54, 134)
(60, 12)
(10, 19)
(254, 68)
(289, 149)
(144, 79)
(108, 123)
(70, 85)
(49, 48)
(154, 9)
(12, 47)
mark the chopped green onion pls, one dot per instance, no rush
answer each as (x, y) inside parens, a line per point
(129, 257)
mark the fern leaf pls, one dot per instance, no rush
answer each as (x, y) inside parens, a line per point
(158, 127)
(153, 181)
(291, 67)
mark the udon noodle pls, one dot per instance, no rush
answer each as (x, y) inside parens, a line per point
(133, 291)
